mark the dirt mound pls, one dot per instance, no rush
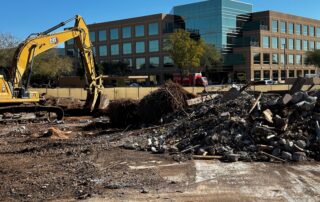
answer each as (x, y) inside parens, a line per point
(167, 99)
(122, 113)
(56, 134)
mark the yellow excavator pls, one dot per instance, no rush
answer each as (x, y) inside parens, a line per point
(15, 97)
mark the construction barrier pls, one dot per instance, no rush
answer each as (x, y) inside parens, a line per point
(139, 92)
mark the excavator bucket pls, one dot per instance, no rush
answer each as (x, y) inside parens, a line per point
(96, 102)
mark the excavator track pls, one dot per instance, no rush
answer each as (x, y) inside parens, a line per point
(30, 113)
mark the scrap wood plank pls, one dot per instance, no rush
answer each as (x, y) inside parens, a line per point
(199, 157)
(297, 85)
(201, 99)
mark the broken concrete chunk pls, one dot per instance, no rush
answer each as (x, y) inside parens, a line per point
(301, 143)
(225, 115)
(276, 151)
(286, 99)
(299, 156)
(268, 115)
(286, 156)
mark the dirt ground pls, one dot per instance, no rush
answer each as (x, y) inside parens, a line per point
(91, 165)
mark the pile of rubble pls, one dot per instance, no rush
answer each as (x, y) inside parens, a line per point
(249, 128)
(150, 110)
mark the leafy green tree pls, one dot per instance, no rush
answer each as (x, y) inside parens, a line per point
(211, 58)
(8, 44)
(185, 51)
(313, 58)
(49, 66)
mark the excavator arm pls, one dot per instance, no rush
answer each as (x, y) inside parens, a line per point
(39, 43)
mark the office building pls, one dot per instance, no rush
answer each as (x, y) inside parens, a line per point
(274, 46)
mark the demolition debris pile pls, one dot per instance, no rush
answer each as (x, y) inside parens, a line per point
(167, 99)
(248, 128)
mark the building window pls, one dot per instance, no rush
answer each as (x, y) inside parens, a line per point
(298, 59)
(291, 60)
(266, 58)
(298, 44)
(128, 62)
(291, 73)
(103, 51)
(275, 59)
(283, 59)
(311, 30)
(275, 75)
(154, 62)
(153, 28)
(318, 45)
(299, 73)
(140, 63)
(275, 42)
(127, 48)
(275, 25)
(291, 28)
(115, 49)
(305, 72)
(311, 46)
(305, 30)
(305, 45)
(318, 31)
(126, 32)
(291, 44)
(298, 29)
(266, 42)
(70, 52)
(70, 42)
(139, 30)
(266, 75)
(283, 26)
(92, 36)
(167, 61)
(102, 35)
(257, 75)
(140, 47)
(312, 71)
(154, 46)
(283, 42)
(283, 74)
(305, 62)
(114, 34)
(256, 58)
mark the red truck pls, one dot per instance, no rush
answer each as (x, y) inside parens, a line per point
(193, 79)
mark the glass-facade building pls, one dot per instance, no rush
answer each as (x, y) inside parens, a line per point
(217, 21)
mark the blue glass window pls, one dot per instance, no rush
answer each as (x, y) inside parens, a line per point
(318, 31)
(126, 32)
(283, 42)
(167, 61)
(154, 46)
(298, 29)
(275, 25)
(283, 26)
(298, 59)
(140, 63)
(291, 28)
(153, 28)
(114, 34)
(139, 30)
(305, 45)
(92, 36)
(102, 35)
(291, 44)
(140, 47)
(311, 30)
(305, 30)
(311, 45)
(298, 44)
(127, 48)
(103, 51)
(266, 42)
(115, 49)
(154, 62)
(275, 42)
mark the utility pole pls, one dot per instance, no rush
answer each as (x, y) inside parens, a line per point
(284, 61)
